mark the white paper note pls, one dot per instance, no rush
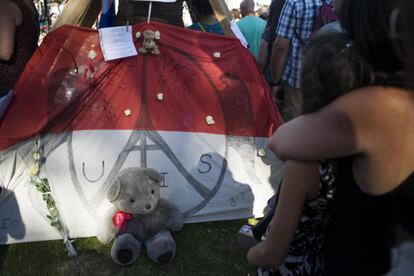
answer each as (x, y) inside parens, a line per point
(116, 42)
(237, 32)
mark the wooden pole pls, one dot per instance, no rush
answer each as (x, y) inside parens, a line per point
(223, 16)
(80, 13)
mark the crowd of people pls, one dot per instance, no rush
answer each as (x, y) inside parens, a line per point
(341, 69)
(342, 73)
(351, 107)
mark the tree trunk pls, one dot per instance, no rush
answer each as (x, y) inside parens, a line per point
(80, 13)
(137, 11)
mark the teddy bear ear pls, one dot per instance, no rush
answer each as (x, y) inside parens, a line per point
(157, 35)
(154, 175)
(114, 190)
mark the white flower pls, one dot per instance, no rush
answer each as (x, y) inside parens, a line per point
(34, 169)
(37, 156)
(160, 97)
(210, 120)
(262, 152)
(92, 54)
(127, 112)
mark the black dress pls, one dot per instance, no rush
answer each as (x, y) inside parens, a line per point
(305, 254)
(360, 234)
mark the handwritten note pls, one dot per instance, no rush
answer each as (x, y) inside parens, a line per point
(116, 42)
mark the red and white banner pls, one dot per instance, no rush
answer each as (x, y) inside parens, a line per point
(200, 113)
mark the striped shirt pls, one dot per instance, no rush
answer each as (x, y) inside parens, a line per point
(296, 23)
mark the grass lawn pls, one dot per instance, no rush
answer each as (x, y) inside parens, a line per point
(202, 249)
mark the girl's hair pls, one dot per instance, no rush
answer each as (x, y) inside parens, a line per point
(367, 22)
(331, 66)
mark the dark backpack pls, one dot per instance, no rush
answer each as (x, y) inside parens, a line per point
(325, 16)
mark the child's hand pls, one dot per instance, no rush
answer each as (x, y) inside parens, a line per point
(256, 254)
(250, 255)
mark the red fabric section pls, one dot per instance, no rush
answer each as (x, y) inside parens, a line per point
(62, 89)
(120, 220)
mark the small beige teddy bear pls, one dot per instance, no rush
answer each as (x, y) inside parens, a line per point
(148, 44)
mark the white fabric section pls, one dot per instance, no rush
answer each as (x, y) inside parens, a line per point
(209, 177)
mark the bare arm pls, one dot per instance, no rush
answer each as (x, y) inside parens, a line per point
(352, 124)
(10, 17)
(263, 54)
(300, 182)
(7, 33)
(373, 124)
(280, 52)
(328, 133)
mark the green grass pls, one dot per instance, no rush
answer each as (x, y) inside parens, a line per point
(202, 249)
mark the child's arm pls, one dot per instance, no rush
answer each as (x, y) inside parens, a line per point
(10, 17)
(300, 183)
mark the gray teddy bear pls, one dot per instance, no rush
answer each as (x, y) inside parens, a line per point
(139, 216)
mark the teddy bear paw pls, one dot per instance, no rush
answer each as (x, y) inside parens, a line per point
(124, 256)
(125, 249)
(161, 248)
(166, 257)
